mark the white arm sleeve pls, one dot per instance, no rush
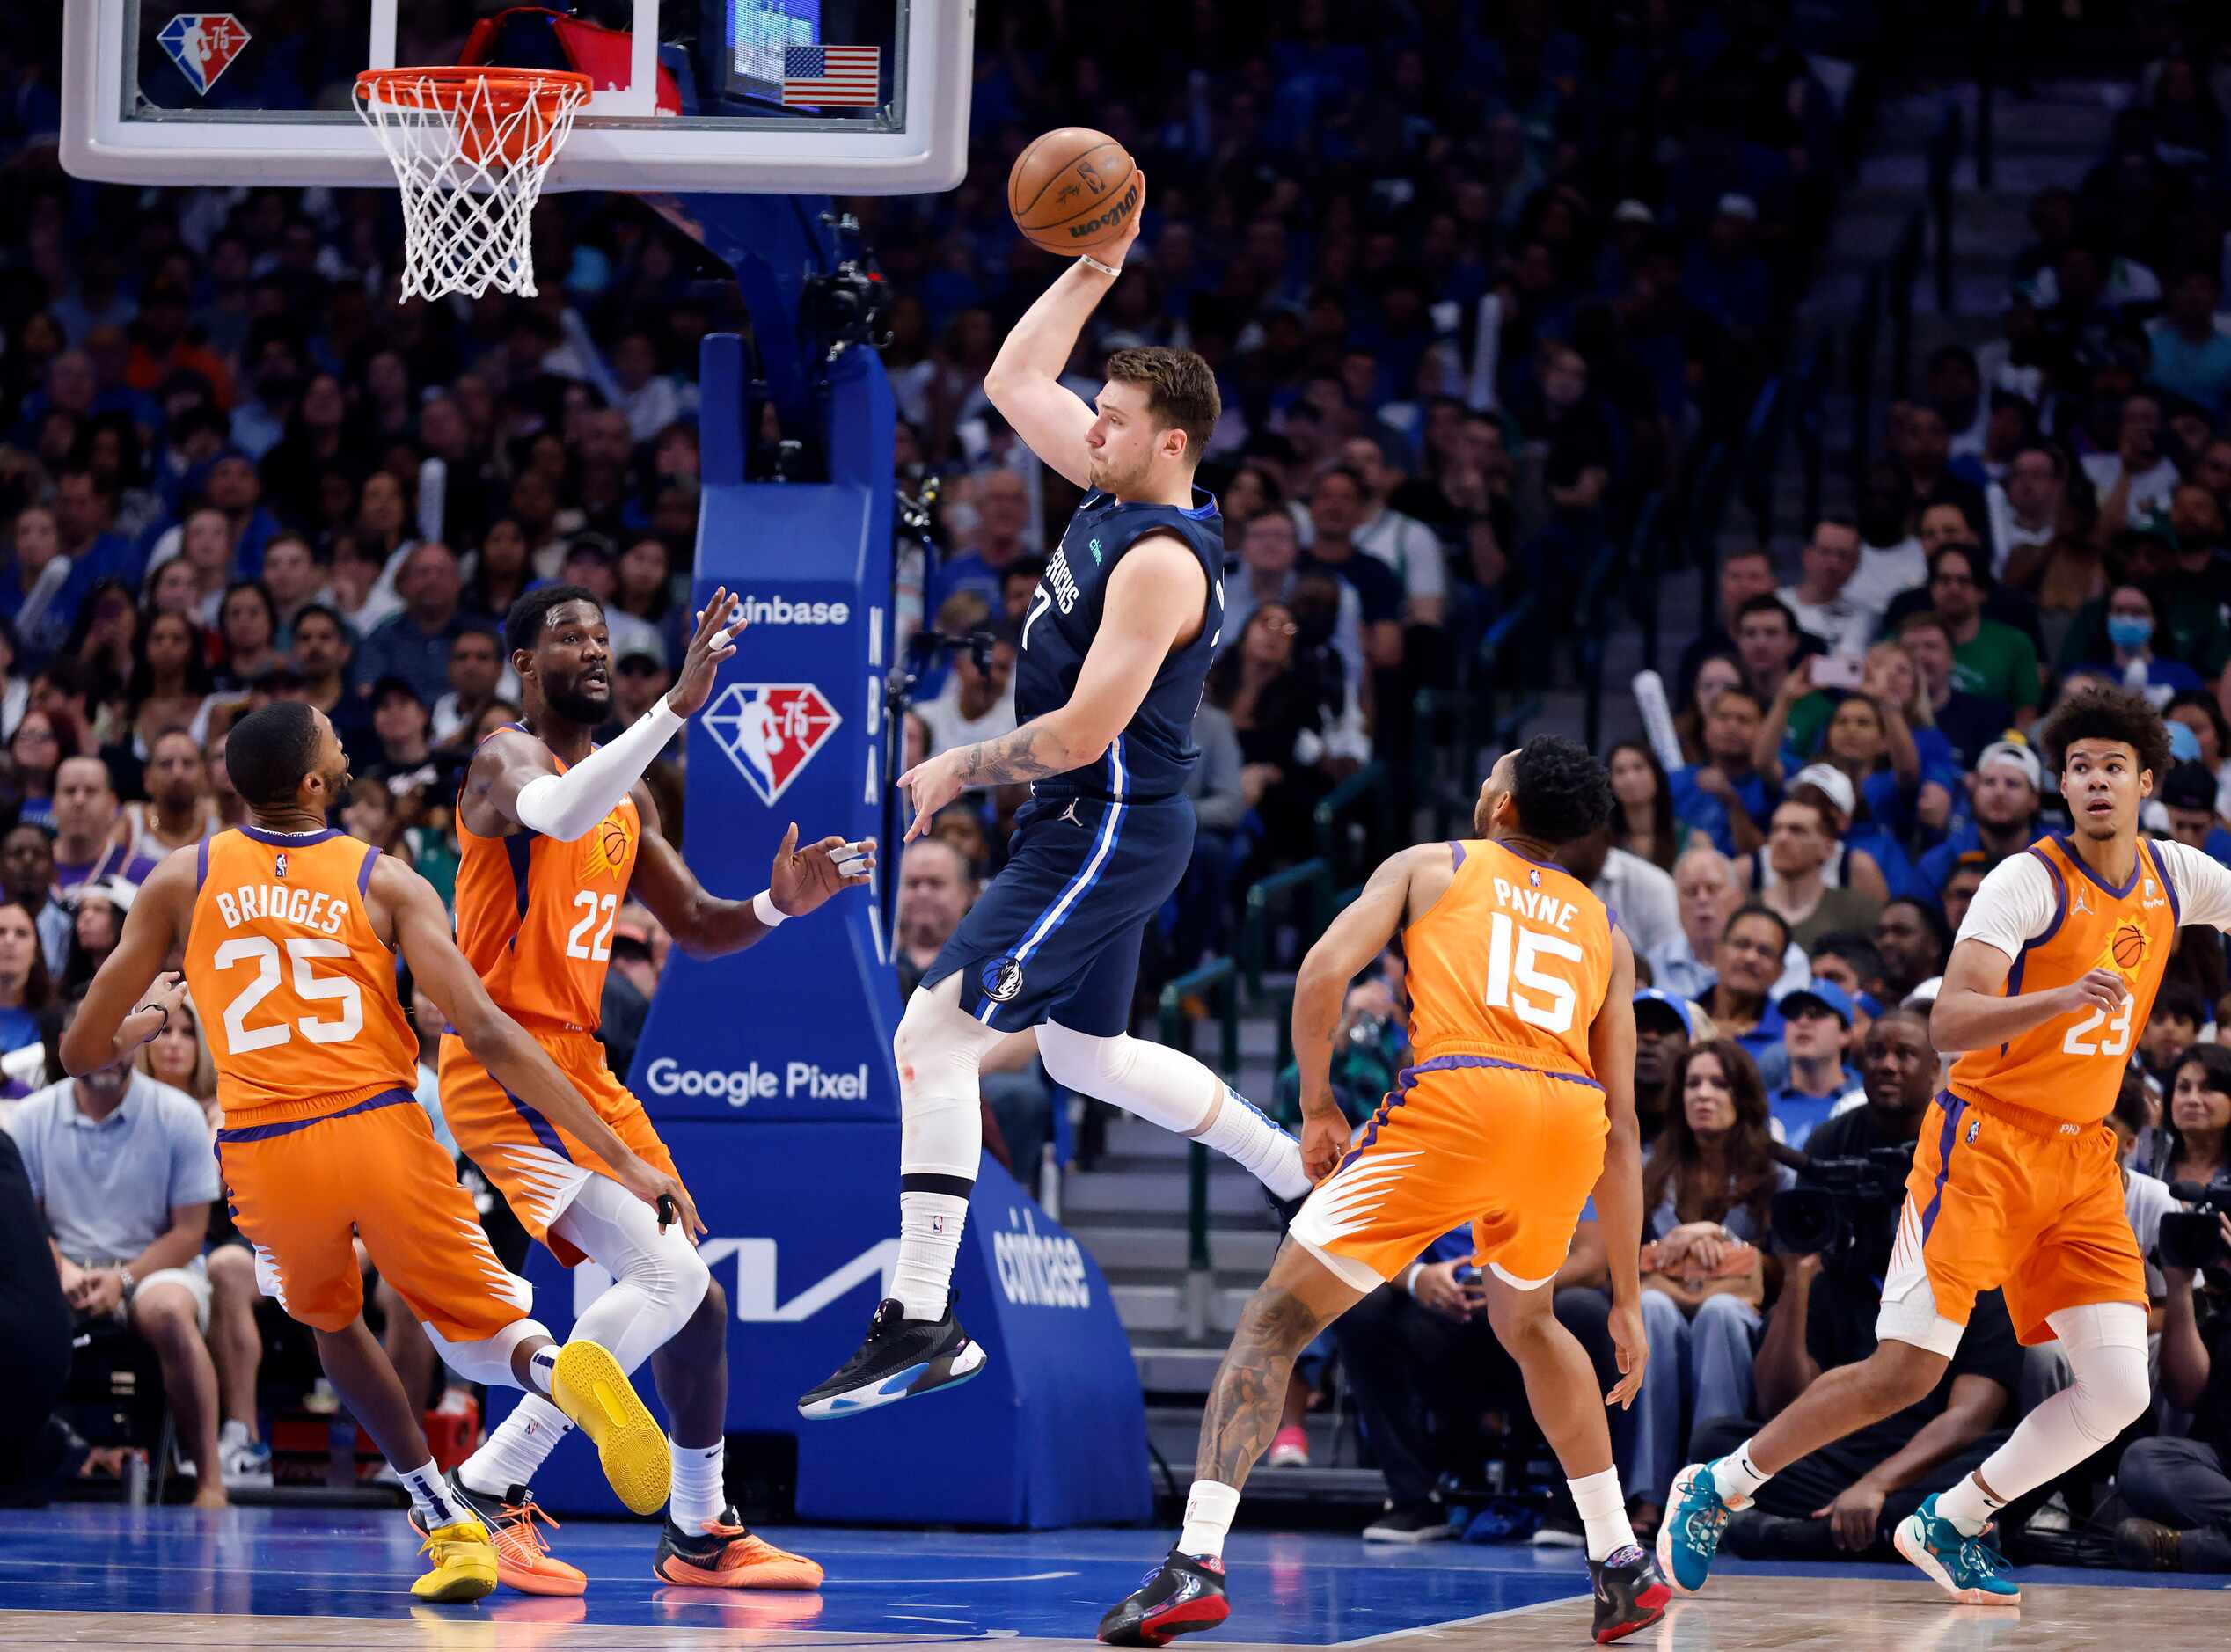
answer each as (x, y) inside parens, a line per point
(2014, 903)
(565, 806)
(2201, 884)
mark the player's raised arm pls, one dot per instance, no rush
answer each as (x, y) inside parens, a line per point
(514, 781)
(1619, 1190)
(1156, 596)
(703, 924)
(1344, 951)
(1024, 380)
(498, 1043)
(119, 1013)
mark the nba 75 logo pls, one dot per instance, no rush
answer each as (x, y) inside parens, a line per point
(203, 44)
(771, 731)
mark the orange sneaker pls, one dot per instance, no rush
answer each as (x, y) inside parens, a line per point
(730, 1557)
(524, 1561)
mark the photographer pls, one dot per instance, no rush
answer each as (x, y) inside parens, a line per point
(978, 702)
(2181, 1488)
(1848, 1495)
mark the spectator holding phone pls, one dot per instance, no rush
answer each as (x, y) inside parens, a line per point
(1705, 1193)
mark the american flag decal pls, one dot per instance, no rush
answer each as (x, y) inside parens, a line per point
(832, 77)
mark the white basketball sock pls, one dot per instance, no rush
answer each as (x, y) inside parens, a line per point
(1603, 1514)
(929, 1243)
(1209, 1508)
(697, 1499)
(1738, 1478)
(430, 1496)
(515, 1448)
(1243, 1133)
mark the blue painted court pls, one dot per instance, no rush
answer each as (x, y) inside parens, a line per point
(258, 1569)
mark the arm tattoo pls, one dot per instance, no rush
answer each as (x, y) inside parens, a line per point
(1027, 754)
(1250, 1393)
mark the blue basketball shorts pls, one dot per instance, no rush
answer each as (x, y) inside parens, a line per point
(1056, 936)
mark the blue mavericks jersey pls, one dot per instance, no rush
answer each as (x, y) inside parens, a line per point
(1155, 752)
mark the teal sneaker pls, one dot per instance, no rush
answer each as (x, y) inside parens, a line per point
(1967, 1568)
(1689, 1537)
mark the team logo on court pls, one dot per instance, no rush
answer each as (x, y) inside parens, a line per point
(771, 731)
(1003, 980)
(203, 45)
(279, 866)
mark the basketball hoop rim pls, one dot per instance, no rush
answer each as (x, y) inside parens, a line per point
(452, 85)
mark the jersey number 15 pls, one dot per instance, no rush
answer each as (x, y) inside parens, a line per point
(1514, 954)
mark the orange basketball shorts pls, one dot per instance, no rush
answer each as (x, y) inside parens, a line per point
(539, 1166)
(1513, 1150)
(304, 1187)
(2001, 1197)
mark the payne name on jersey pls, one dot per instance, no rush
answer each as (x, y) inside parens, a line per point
(1538, 904)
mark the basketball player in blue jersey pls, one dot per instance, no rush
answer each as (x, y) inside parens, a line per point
(1111, 658)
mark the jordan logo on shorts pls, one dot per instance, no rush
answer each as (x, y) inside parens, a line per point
(1069, 814)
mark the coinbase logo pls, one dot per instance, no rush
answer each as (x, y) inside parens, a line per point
(1040, 1270)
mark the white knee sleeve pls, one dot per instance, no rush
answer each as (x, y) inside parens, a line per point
(939, 1051)
(487, 1362)
(658, 1279)
(1163, 1087)
(2105, 1344)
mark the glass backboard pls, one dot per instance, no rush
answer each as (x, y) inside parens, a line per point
(851, 97)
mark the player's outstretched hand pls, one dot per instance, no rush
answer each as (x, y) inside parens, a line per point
(2095, 989)
(663, 1193)
(932, 784)
(804, 878)
(719, 622)
(1632, 1345)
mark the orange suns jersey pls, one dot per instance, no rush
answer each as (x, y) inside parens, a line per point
(295, 989)
(535, 916)
(2071, 1067)
(1511, 963)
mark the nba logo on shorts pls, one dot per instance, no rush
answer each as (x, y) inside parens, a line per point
(203, 44)
(279, 866)
(1975, 1128)
(1003, 980)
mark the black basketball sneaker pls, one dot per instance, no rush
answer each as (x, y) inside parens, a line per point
(1184, 1593)
(1630, 1594)
(900, 1358)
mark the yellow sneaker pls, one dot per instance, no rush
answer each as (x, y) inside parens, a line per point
(465, 1563)
(588, 1384)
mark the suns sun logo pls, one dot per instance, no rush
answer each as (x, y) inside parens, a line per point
(605, 851)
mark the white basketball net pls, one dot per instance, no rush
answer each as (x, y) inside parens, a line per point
(466, 210)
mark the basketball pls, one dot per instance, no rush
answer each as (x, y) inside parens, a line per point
(2130, 946)
(1073, 190)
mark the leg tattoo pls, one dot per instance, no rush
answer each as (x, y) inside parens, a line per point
(1250, 1393)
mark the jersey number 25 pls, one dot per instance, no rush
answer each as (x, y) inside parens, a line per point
(1514, 953)
(263, 952)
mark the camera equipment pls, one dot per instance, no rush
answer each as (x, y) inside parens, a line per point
(2193, 1239)
(1845, 1210)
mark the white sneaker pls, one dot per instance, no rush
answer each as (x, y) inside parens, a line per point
(245, 1462)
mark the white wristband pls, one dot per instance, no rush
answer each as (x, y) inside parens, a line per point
(1105, 269)
(1409, 1279)
(763, 909)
